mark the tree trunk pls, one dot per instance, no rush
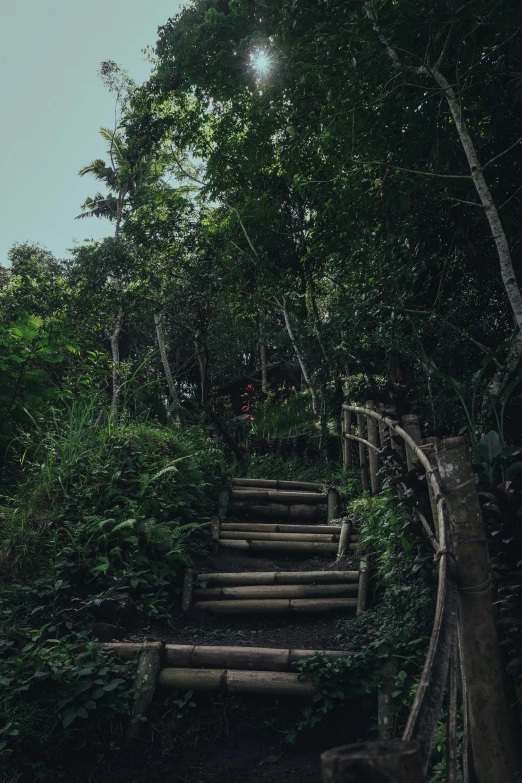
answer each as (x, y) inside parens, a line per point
(201, 353)
(316, 321)
(115, 351)
(262, 356)
(300, 358)
(484, 193)
(175, 403)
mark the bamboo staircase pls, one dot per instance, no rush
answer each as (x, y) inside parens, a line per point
(299, 514)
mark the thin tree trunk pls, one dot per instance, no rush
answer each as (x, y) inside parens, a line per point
(115, 351)
(300, 358)
(201, 353)
(316, 321)
(175, 403)
(484, 193)
(262, 356)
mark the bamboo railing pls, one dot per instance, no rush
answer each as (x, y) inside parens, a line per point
(463, 634)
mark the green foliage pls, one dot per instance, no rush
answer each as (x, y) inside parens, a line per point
(111, 501)
(276, 418)
(57, 694)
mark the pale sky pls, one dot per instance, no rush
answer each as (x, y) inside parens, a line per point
(53, 103)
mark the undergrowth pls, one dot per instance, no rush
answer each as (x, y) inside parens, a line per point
(92, 543)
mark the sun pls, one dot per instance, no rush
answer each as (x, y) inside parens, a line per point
(261, 63)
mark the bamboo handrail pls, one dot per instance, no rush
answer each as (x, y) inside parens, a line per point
(423, 717)
(349, 436)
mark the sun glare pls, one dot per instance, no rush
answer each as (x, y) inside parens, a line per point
(261, 62)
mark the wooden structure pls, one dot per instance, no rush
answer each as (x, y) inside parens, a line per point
(463, 617)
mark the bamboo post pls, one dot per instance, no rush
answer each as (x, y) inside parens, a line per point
(363, 454)
(333, 504)
(224, 495)
(362, 596)
(429, 446)
(149, 665)
(344, 539)
(493, 743)
(347, 446)
(395, 761)
(216, 526)
(396, 444)
(373, 438)
(383, 429)
(411, 423)
(385, 711)
(188, 585)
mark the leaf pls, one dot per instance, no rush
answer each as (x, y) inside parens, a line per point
(513, 470)
(489, 447)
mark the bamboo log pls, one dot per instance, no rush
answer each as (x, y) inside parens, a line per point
(411, 424)
(344, 540)
(277, 496)
(193, 679)
(373, 455)
(280, 577)
(282, 546)
(265, 527)
(363, 454)
(333, 504)
(264, 682)
(276, 591)
(277, 605)
(493, 744)
(216, 524)
(149, 665)
(384, 433)
(269, 683)
(305, 486)
(308, 605)
(248, 535)
(279, 511)
(188, 585)
(346, 419)
(395, 761)
(258, 658)
(385, 709)
(362, 597)
(232, 657)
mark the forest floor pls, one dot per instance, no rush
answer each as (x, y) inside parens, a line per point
(209, 738)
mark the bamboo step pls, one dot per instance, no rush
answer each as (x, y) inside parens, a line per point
(262, 658)
(266, 527)
(279, 511)
(277, 605)
(248, 535)
(278, 496)
(279, 577)
(276, 591)
(236, 681)
(305, 486)
(259, 545)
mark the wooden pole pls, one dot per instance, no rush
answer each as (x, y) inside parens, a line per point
(385, 710)
(276, 591)
(304, 486)
(279, 577)
(344, 540)
(215, 524)
(188, 584)
(373, 437)
(429, 446)
(277, 496)
(395, 761)
(278, 605)
(266, 527)
(270, 683)
(333, 504)
(149, 665)
(493, 745)
(384, 433)
(346, 445)
(362, 597)
(411, 424)
(363, 454)
(282, 546)
(224, 496)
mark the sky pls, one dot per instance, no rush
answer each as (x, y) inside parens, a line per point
(53, 104)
